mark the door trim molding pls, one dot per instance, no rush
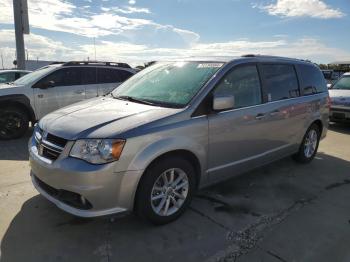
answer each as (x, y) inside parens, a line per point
(248, 158)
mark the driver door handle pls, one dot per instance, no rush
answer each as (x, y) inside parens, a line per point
(79, 92)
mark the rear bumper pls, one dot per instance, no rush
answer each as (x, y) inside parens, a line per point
(83, 189)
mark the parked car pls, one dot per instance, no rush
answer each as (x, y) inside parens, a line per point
(8, 76)
(49, 88)
(173, 128)
(340, 100)
(331, 76)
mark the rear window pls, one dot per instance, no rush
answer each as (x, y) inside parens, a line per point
(312, 80)
(280, 81)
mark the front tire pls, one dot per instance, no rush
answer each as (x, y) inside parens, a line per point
(165, 190)
(14, 123)
(309, 145)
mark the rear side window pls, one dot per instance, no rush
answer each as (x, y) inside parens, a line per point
(88, 75)
(244, 84)
(280, 82)
(124, 75)
(107, 75)
(312, 80)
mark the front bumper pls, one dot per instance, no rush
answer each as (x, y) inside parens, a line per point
(339, 114)
(105, 191)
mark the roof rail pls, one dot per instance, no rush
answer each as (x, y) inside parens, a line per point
(96, 63)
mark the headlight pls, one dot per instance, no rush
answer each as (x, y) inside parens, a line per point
(98, 151)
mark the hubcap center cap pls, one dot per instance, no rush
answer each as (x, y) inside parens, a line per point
(169, 191)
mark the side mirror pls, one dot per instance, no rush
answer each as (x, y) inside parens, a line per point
(329, 86)
(47, 85)
(221, 102)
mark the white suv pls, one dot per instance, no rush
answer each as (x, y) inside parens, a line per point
(36, 94)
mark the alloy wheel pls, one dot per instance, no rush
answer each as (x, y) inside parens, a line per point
(169, 192)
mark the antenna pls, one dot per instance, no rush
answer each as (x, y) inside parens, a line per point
(95, 48)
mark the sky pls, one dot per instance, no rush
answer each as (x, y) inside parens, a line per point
(136, 31)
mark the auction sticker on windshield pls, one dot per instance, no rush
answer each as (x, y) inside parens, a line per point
(210, 65)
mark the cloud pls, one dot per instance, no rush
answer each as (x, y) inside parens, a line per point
(301, 8)
(126, 10)
(304, 48)
(132, 2)
(37, 46)
(62, 16)
(48, 49)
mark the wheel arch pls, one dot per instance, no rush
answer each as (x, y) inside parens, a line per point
(20, 101)
(183, 153)
(319, 124)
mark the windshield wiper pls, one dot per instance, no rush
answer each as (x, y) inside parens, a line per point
(134, 99)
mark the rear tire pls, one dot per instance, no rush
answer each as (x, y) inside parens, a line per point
(14, 123)
(309, 145)
(166, 190)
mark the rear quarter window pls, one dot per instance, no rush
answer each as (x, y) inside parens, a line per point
(111, 75)
(312, 80)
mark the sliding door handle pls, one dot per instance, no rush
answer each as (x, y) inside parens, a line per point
(274, 113)
(260, 116)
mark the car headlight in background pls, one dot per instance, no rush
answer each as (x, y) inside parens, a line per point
(98, 151)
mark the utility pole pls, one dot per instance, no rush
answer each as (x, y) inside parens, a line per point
(20, 13)
(2, 61)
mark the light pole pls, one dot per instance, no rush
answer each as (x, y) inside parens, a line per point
(20, 13)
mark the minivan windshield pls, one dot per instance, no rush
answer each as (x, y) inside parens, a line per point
(343, 83)
(37, 74)
(168, 84)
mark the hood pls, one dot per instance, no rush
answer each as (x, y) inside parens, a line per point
(104, 117)
(340, 97)
(339, 93)
(10, 86)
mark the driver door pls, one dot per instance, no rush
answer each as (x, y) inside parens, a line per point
(58, 89)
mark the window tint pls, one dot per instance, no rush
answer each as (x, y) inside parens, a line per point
(343, 83)
(63, 77)
(7, 77)
(124, 75)
(280, 82)
(88, 75)
(313, 81)
(107, 75)
(244, 84)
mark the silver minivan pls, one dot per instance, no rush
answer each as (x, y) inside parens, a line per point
(176, 127)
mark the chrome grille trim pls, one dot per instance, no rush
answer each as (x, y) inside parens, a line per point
(46, 149)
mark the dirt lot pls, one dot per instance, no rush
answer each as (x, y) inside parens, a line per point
(281, 212)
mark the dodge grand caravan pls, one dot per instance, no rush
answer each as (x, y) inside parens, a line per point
(176, 127)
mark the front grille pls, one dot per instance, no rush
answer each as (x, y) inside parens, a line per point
(49, 146)
(56, 140)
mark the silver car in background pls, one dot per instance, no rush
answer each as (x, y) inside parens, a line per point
(176, 127)
(340, 100)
